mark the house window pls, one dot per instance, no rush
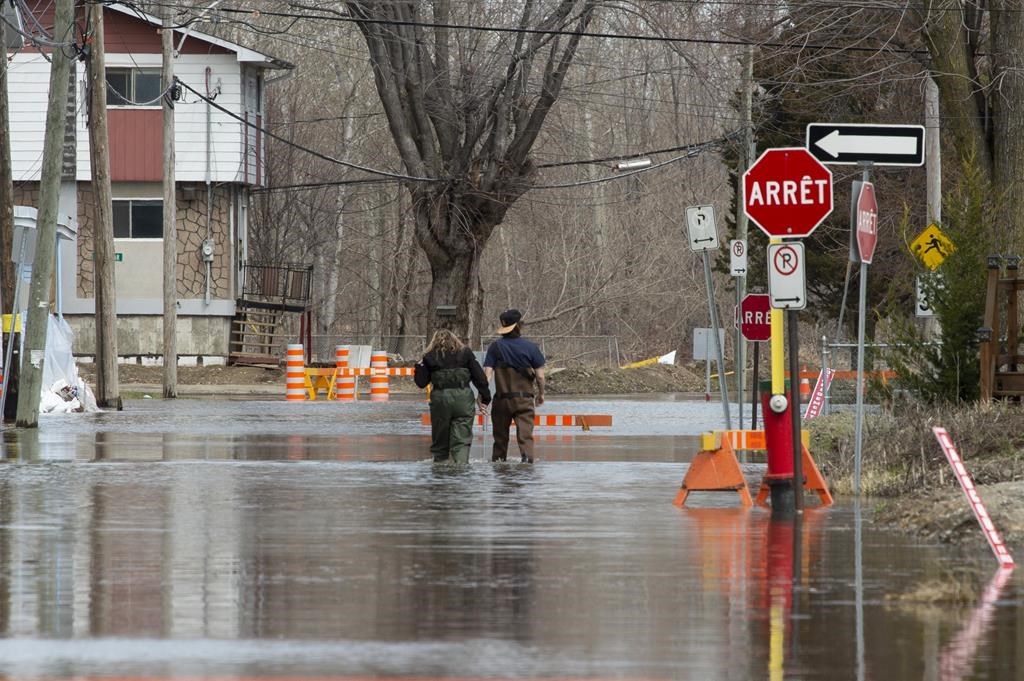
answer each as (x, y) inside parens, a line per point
(138, 219)
(133, 87)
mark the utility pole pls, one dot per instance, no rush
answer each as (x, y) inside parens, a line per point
(6, 185)
(932, 150)
(107, 384)
(170, 217)
(46, 240)
(746, 158)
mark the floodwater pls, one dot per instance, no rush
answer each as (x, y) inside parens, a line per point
(256, 539)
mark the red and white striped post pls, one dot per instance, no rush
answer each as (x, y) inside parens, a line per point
(295, 373)
(379, 388)
(995, 540)
(344, 386)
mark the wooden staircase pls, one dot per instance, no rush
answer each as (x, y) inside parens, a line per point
(1002, 362)
(273, 298)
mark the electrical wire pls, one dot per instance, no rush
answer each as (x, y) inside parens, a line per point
(317, 154)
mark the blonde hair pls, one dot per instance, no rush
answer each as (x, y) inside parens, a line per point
(445, 342)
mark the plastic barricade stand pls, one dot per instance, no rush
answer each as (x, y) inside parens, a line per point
(813, 481)
(295, 373)
(317, 379)
(714, 469)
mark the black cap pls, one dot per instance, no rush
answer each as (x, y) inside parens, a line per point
(509, 319)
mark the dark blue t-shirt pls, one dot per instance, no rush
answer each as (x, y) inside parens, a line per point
(517, 353)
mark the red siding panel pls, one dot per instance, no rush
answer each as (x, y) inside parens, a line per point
(136, 145)
(123, 33)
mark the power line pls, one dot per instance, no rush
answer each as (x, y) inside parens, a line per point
(322, 156)
(337, 16)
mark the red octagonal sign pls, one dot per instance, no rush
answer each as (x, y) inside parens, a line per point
(867, 222)
(787, 192)
(755, 317)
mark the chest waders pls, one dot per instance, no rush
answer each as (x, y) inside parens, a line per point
(452, 408)
(513, 401)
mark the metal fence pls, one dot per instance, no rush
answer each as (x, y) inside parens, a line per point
(843, 357)
(399, 348)
(562, 351)
(573, 351)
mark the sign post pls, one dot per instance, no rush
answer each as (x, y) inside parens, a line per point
(703, 235)
(866, 228)
(787, 192)
(738, 269)
(756, 326)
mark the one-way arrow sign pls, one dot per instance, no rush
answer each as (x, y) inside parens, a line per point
(852, 143)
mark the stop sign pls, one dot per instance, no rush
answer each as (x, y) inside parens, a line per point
(867, 222)
(787, 192)
(755, 317)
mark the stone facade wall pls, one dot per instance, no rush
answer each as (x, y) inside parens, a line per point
(191, 214)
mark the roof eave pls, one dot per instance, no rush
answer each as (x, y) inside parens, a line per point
(243, 54)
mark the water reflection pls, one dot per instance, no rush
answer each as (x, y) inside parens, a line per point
(145, 551)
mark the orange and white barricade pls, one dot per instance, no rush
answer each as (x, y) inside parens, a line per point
(295, 373)
(345, 384)
(379, 388)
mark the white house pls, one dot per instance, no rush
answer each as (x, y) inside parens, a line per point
(219, 161)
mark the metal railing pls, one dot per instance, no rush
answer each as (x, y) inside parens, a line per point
(280, 283)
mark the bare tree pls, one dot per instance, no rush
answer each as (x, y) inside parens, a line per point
(464, 110)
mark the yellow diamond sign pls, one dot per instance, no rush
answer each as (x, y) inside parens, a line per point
(932, 246)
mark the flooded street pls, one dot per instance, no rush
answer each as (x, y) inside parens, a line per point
(243, 539)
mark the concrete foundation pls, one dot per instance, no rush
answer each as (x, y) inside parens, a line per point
(141, 336)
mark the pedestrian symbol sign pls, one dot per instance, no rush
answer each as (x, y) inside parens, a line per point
(932, 247)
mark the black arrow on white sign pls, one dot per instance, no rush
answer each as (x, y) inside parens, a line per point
(853, 143)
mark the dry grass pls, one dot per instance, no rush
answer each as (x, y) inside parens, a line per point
(901, 455)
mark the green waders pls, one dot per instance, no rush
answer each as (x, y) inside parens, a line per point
(452, 408)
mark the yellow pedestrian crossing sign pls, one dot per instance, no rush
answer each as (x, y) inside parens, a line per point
(932, 246)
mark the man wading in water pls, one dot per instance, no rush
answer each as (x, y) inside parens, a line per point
(516, 364)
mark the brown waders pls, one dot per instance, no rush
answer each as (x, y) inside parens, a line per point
(513, 401)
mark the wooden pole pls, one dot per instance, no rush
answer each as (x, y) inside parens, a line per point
(6, 184)
(46, 239)
(170, 218)
(107, 384)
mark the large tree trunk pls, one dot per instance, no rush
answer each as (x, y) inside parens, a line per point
(949, 35)
(454, 253)
(464, 116)
(1007, 23)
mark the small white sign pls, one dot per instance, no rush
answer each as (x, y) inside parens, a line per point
(700, 224)
(787, 283)
(738, 257)
(704, 344)
(922, 306)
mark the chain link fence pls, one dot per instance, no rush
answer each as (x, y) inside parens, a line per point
(561, 351)
(842, 357)
(573, 351)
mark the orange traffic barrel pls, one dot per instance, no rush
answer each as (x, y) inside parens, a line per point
(295, 373)
(379, 388)
(344, 386)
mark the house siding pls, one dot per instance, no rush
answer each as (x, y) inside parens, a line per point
(136, 145)
(28, 99)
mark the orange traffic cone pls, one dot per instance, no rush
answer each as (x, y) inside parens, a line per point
(805, 389)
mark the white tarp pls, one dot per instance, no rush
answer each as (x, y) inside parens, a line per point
(63, 389)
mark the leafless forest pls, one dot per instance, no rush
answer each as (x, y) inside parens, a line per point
(525, 108)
